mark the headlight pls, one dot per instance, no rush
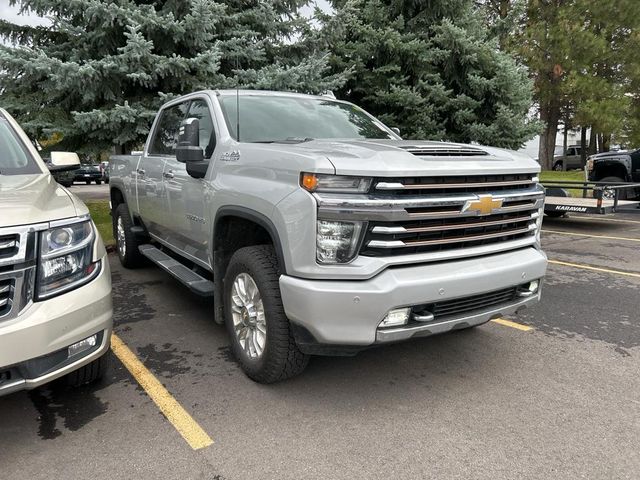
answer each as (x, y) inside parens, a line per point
(337, 242)
(314, 182)
(66, 258)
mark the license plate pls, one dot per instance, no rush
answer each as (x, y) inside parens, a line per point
(87, 175)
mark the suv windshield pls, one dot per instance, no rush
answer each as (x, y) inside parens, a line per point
(14, 157)
(278, 118)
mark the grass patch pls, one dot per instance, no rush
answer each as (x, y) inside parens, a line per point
(572, 176)
(101, 217)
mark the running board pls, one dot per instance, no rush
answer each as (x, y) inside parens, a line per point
(196, 283)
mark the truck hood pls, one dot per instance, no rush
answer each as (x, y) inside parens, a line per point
(392, 158)
(27, 199)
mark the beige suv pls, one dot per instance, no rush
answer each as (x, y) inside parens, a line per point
(55, 288)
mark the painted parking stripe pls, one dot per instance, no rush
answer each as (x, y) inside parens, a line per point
(595, 269)
(509, 323)
(607, 237)
(194, 435)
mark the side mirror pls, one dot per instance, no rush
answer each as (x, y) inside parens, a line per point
(395, 130)
(64, 161)
(189, 151)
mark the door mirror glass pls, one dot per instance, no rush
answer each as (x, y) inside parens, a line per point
(64, 161)
(395, 130)
(188, 149)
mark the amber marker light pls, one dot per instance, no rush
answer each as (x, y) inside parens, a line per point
(309, 181)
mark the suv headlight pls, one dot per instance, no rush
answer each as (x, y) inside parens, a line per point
(337, 242)
(66, 258)
(314, 182)
(589, 164)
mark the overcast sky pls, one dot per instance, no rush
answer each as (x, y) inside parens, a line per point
(10, 13)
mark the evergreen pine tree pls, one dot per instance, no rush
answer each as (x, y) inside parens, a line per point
(429, 68)
(98, 73)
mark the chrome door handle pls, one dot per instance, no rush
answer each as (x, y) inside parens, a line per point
(168, 174)
(140, 172)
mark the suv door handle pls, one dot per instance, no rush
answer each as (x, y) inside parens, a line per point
(140, 172)
(168, 174)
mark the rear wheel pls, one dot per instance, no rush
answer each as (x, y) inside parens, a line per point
(126, 242)
(98, 182)
(557, 166)
(610, 194)
(88, 182)
(260, 332)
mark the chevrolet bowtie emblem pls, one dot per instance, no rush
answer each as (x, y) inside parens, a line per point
(484, 205)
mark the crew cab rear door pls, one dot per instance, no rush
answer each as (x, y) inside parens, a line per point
(149, 180)
(189, 228)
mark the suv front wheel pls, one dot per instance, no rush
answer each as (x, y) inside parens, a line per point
(259, 330)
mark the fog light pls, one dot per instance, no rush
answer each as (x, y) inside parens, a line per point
(528, 289)
(83, 345)
(396, 318)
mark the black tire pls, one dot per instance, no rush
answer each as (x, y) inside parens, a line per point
(91, 372)
(67, 184)
(557, 166)
(130, 256)
(88, 182)
(281, 358)
(622, 194)
(98, 182)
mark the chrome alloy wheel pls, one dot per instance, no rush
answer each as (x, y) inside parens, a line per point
(121, 238)
(247, 311)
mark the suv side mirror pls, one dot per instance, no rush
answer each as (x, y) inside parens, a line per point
(189, 151)
(64, 161)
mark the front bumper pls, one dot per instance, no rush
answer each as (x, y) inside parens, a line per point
(33, 346)
(348, 313)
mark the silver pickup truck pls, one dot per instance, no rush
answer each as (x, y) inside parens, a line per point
(318, 230)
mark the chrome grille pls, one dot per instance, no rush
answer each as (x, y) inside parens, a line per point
(457, 184)
(447, 216)
(17, 269)
(6, 296)
(9, 245)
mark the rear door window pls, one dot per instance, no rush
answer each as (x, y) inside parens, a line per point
(165, 137)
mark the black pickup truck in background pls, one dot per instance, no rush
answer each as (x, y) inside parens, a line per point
(618, 167)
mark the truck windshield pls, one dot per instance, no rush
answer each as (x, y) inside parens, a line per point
(14, 157)
(292, 119)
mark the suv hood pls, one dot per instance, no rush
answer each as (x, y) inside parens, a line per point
(392, 158)
(27, 199)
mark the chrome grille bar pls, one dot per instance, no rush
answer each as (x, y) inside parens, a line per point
(460, 226)
(439, 186)
(442, 241)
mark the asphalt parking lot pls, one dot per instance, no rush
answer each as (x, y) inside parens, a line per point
(92, 192)
(554, 395)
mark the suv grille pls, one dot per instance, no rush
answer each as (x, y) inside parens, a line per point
(462, 184)
(6, 296)
(9, 245)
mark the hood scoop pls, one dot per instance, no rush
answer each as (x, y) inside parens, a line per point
(448, 151)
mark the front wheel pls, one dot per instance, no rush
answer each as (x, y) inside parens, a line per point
(98, 182)
(610, 194)
(260, 332)
(557, 166)
(92, 372)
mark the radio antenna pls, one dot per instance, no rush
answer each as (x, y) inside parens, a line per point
(238, 98)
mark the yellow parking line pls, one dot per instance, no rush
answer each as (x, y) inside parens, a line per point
(195, 436)
(591, 236)
(509, 323)
(595, 269)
